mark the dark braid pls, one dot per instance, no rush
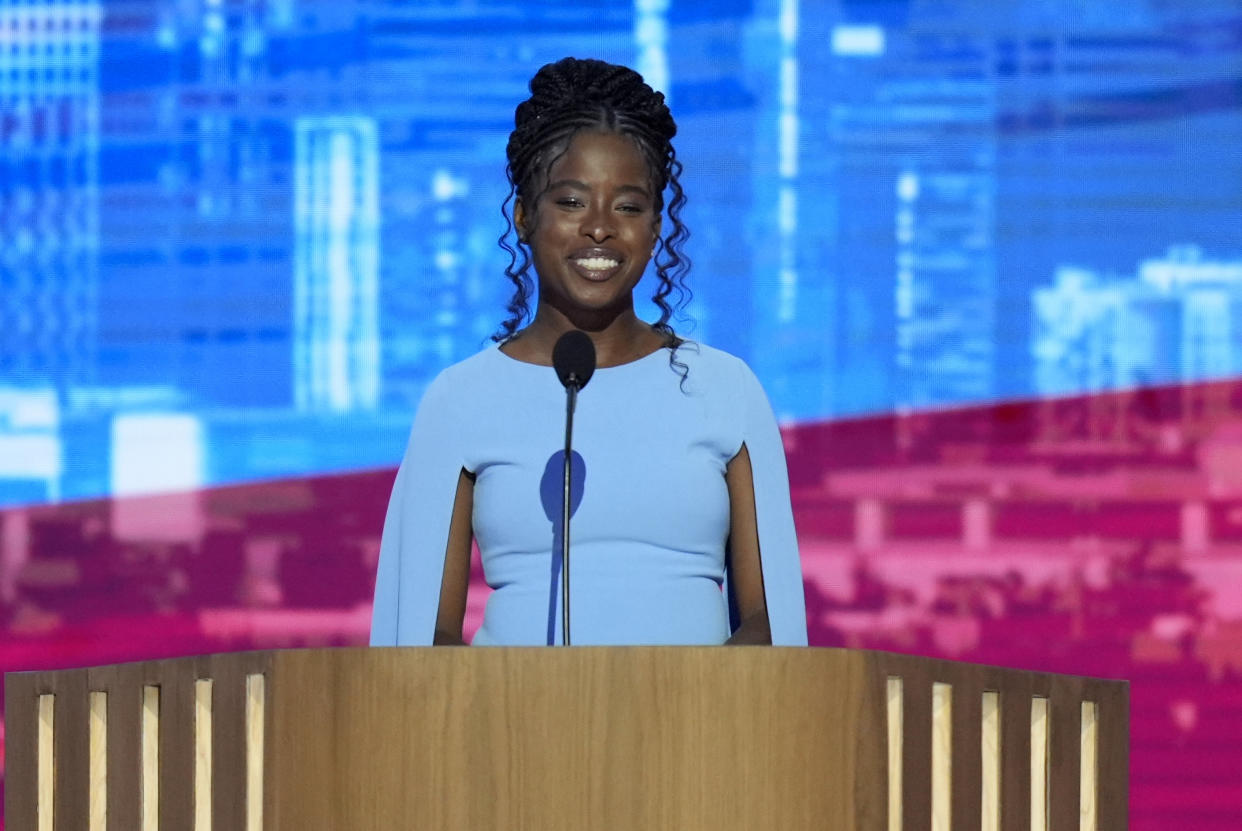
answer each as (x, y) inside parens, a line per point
(567, 97)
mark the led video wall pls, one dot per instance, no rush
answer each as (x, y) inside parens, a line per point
(985, 258)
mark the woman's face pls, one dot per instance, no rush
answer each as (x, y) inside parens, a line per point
(595, 227)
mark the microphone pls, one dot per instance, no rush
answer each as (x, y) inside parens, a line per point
(573, 358)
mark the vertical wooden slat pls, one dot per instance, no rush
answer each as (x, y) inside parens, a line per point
(968, 685)
(942, 757)
(21, 720)
(45, 754)
(256, 715)
(871, 791)
(229, 771)
(176, 680)
(1039, 763)
(1114, 758)
(916, 751)
(266, 663)
(1088, 780)
(124, 743)
(1064, 740)
(990, 761)
(228, 729)
(895, 722)
(72, 749)
(150, 753)
(1015, 701)
(98, 769)
(202, 753)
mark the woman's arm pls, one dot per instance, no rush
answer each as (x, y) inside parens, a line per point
(746, 564)
(416, 526)
(766, 516)
(456, 579)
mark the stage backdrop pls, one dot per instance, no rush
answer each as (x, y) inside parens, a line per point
(985, 257)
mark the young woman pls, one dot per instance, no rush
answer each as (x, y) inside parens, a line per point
(681, 529)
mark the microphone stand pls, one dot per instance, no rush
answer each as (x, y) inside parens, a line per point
(571, 400)
(573, 358)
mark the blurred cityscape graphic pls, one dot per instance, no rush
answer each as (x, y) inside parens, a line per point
(985, 258)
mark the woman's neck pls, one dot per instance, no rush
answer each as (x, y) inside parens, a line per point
(623, 339)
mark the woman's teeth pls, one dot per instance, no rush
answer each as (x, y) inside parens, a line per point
(597, 263)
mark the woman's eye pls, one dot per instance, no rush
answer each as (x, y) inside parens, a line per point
(569, 201)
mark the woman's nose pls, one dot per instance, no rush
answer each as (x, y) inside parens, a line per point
(597, 224)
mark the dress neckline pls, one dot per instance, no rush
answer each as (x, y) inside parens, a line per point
(636, 362)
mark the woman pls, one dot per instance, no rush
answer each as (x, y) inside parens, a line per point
(680, 482)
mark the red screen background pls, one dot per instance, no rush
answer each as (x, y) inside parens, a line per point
(1097, 535)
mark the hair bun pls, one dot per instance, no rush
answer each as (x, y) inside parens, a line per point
(575, 84)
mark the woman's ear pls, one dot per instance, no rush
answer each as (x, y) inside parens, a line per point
(520, 220)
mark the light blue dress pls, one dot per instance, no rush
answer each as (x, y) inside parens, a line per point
(651, 508)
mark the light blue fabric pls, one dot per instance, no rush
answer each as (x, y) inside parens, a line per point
(651, 513)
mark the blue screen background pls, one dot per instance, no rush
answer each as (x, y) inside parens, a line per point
(237, 239)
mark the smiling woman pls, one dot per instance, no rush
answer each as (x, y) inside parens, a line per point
(591, 237)
(592, 129)
(682, 528)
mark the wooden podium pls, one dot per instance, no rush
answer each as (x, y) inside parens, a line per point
(544, 739)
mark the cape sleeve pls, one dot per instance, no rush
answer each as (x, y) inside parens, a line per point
(411, 561)
(778, 539)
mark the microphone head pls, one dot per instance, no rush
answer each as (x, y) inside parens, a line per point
(573, 358)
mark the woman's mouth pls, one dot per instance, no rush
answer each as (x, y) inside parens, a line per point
(595, 268)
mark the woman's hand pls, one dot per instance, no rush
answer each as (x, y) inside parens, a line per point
(754, 631)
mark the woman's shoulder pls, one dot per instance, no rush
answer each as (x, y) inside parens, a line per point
(464, 380)
(706, 354)
(481, 364)
(715, 364)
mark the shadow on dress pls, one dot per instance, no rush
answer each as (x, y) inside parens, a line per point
(551, 486)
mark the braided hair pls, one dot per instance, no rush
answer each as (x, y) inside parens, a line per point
(567, 97)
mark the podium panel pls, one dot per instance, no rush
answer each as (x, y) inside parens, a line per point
(550, 738)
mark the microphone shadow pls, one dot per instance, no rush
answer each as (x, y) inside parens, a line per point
(551, 488)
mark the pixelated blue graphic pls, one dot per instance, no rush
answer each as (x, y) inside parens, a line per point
(238, 239)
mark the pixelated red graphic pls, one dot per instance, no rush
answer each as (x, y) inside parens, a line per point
(1098, 535)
